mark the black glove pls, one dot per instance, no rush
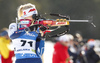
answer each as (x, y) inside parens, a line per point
(32, 28)
(43, 28)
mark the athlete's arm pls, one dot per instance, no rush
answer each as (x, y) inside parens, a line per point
(13, 32)
(40, 45)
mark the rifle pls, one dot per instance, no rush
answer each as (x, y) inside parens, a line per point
(52, 26)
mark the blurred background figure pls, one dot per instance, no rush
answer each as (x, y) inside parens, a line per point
(91, 55)
(72, 50)
(6, 52)
(60, 54)
(79, 43)
(79, 37)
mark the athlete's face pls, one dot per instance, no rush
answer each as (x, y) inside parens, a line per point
(30, 17)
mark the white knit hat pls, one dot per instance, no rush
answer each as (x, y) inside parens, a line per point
(64, 38)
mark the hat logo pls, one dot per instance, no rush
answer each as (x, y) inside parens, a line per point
(24, 13)
(32, 10)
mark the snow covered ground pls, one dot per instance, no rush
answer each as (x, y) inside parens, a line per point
(48, 53)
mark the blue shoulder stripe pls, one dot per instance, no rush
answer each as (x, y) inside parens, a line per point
(16, 34)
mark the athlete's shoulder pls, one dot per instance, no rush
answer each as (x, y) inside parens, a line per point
(12, 25)
(12, 28)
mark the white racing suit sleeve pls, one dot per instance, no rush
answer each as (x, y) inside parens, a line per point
(12, 28)
(13, 32)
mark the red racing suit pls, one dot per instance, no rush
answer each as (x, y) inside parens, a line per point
(9, 59)
(60, 54)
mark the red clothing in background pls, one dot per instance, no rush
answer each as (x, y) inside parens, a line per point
(9, 59)
(60, 54)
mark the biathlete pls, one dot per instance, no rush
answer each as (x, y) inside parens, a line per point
(26, 38)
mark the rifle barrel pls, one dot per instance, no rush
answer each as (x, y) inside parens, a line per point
(78, 20)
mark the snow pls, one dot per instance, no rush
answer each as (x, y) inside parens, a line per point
(48, 53)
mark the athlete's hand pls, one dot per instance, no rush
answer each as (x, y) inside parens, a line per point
(32, 28)
(43, 28)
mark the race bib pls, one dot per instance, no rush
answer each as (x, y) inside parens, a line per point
(24, 45)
